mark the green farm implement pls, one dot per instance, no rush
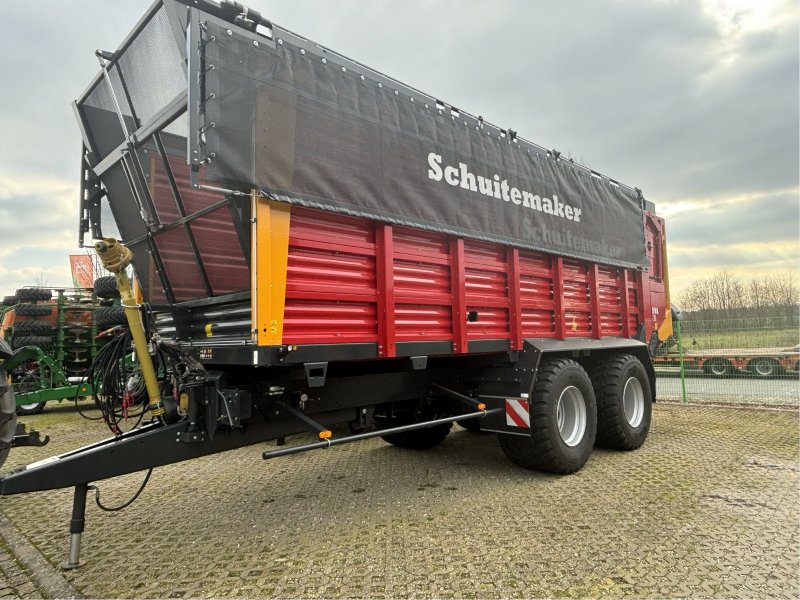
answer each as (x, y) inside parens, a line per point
(54, 336)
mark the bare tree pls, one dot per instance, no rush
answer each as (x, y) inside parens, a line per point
(756, 294)
(722, 292)
(781, 289)
(727, 292)
(696, 298)
(723, 295)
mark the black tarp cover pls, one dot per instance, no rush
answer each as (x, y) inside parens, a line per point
(309, 127)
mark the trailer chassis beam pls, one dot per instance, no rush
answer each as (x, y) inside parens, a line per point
(153, 445)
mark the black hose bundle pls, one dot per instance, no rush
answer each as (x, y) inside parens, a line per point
(118, 386)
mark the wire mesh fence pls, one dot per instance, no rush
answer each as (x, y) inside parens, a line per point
(735, 361)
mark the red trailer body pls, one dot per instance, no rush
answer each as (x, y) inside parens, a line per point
(354, 280)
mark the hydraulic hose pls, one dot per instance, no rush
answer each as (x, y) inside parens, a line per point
(115, 257)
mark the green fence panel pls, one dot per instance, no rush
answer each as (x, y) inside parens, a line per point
(738, 361)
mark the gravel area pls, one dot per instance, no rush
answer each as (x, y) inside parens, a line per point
(707, 507)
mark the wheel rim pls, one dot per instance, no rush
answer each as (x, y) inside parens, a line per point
(763, 367)
(571, 416)
(28, 406)
(718, 368)
(633, 402)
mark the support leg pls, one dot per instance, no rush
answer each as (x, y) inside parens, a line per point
(76, 526)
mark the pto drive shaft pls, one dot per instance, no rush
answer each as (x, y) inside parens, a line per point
(116, 257)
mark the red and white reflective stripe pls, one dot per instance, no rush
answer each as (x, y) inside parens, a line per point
(517, 413)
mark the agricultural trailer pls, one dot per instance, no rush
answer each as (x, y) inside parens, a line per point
(319, 244)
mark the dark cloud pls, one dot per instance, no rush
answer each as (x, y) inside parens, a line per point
(655, 94)
(773, 218)
(780, 257)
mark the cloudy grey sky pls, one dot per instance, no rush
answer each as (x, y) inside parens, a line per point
(693, 101)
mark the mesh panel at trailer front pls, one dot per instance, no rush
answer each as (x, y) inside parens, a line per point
(153, 68)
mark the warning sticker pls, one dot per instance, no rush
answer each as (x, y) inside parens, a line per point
(517, 413)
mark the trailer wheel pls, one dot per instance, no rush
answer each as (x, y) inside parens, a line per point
(34, 310)
(28, 378)
(31, 409)
(8, 416)
(764, 367)
(718, 367)
(416, 439)
(563, 421)
(106, 287)
(624, 402)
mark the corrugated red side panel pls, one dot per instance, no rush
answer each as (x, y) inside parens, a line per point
(330, 282)
(333, 292)
(609, 288)
(635, 318)
(577, 300)
(536, 287)
(486, 285)
(422, 286)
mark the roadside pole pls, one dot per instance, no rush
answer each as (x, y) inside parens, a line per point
(680, 350)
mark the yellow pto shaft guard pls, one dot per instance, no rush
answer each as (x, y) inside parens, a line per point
(115, 257)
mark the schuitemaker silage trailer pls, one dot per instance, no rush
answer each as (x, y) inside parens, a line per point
(320, 244)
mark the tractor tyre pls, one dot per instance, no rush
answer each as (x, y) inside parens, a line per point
(34, 294)
(106, 287)
(9, 300)
(33, 328)
(34, 310)
(563, 420)
(42, 341)
(109, 316)
(624, 402)
(8, 416)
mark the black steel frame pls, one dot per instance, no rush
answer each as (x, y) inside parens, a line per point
(127, 155)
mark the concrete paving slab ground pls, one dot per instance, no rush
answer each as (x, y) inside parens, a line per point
(707, 507)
